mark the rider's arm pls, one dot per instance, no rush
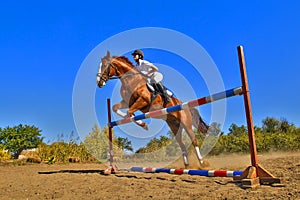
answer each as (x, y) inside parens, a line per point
(151, 66)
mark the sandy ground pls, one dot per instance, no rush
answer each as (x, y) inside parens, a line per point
(84, 181)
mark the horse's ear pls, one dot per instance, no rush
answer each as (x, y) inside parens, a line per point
(108, 54)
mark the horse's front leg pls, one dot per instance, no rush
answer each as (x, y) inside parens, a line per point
(122, 105)
(138, 105)
(117, 108)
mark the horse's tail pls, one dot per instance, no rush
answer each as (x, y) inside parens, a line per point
(198, 122)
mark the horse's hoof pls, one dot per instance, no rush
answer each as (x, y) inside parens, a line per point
(204, 164)
(145, 126)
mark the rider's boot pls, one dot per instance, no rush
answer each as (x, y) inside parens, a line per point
(162, 89)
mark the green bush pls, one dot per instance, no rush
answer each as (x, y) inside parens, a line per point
(61, 152)
(265, 141)
(275, 135)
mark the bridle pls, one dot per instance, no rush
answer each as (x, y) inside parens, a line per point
(106, 75)
(107, 72)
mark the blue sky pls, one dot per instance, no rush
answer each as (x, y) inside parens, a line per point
(44, 43)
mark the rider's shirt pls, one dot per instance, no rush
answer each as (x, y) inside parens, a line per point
(146, 68)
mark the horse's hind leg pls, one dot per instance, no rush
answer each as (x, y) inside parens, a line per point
(177, 130)
(187, 124)
(122, 105)
(195, 144)
(182, 146)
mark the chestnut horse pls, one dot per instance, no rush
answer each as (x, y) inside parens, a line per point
(136, 96)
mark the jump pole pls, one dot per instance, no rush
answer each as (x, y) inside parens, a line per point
(194, 172)
(112, 168)
(190, 104)
(255, 174)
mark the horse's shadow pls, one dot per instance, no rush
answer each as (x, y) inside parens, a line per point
(74, 171)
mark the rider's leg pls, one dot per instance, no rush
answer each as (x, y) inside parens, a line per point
(156, 79)
(162, 89)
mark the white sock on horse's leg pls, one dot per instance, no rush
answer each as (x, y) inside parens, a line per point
(199, 154)
(185, 159)
(122, 114)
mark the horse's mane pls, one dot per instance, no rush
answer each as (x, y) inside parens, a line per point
(124, 59)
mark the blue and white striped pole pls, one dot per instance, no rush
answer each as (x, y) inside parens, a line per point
(209, 173)
(189, 104)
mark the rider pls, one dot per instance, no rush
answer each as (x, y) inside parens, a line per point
(151, 72)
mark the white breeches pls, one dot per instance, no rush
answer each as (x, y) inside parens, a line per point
(156, 77)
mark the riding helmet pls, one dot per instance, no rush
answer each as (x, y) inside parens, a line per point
(138, 52)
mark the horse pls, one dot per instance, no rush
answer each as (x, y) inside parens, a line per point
(136, 96)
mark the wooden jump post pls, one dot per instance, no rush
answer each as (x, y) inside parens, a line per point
(253, 175)
(112, 168)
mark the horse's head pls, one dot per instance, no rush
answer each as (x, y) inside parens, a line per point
(113, 67)
(107, 70)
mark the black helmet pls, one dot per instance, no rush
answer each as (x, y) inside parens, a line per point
(138, 52)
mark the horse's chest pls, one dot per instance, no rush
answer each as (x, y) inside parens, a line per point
(129, 95)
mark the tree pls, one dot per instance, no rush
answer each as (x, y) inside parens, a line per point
(270, 125)
(124, 144)
(155, 144)
(18, 138)
(97, 142)
(273, 125)
(236, 130)
(287, 127)
(164, 141)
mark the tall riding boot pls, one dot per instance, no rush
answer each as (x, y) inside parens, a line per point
(162, 89)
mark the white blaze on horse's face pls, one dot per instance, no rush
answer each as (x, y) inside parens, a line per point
(104, 70)
(100, 81)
